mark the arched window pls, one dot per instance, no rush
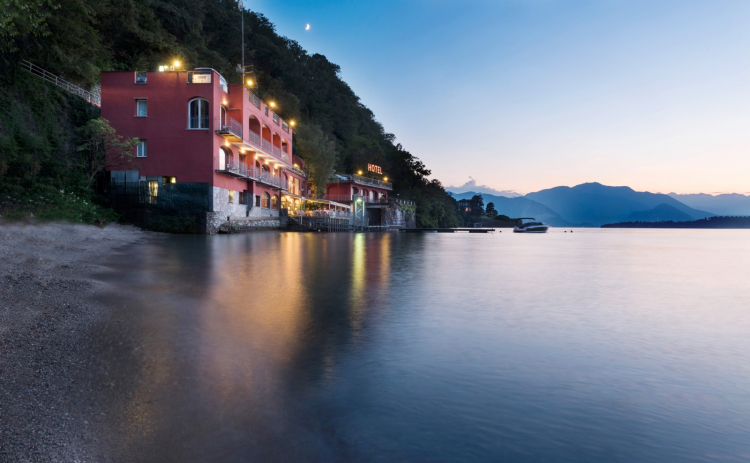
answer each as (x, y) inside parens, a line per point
(355, 190)
(274, 202)
(265, 200)
(198, 114)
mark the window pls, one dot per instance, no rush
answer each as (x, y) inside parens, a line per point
(243, 197)
(223, 117)
(266, 110)
(140, 150)
(198, 114)
(168, 180)
(231, 196)
(257, 201)
(265, 200)
(140, 77)
(274, 202)
(141, 108)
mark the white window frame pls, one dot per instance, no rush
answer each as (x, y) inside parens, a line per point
(138, 102)
(201, 101)
(141, 149)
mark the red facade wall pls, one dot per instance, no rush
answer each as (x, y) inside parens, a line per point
(173, 149)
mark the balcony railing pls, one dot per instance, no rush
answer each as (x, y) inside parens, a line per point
(277, 152)
(254, 99)
(276, 118)
(253, 138)
(285, 156)
(266, 145)
(228, 127)
(200, 77)
(349, 198)
(284, 126)
(371, 181)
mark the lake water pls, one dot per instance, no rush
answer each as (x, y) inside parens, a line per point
(593, 346)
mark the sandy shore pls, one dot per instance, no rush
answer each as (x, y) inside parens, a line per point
(48, 372)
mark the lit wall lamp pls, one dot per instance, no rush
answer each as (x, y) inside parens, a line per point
(272, 104)
(385, 179)
(359, 172)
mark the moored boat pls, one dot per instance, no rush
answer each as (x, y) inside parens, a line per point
(530, 225)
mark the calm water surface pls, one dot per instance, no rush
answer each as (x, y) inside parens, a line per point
(601, 345)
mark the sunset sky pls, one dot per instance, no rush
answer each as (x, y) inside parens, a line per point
(530, 94)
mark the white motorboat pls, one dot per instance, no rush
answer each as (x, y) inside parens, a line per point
(530, 225)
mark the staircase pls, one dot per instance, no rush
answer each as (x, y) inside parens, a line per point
(93, 97)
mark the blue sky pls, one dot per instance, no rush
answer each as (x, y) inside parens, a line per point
(525, 95)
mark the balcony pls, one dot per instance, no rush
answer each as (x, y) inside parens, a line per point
(254, 99)
(276, 118)
(253, 138)
(346, 198)
(266, 145)
(284, 126)
(367, 181)
(229, 129)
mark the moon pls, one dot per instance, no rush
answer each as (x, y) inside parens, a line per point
(307, 28)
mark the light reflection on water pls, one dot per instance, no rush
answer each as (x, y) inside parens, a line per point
(593, 346)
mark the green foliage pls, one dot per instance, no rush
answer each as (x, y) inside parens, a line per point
(490, 210)
(48, 204)
(84, 37)
(319, 152)
(100, 148)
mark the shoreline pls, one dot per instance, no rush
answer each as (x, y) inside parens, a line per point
(49, 316)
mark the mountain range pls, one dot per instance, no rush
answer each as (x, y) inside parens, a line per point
(594, 204)
(724, 205)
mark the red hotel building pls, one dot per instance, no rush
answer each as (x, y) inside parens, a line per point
(194, 127)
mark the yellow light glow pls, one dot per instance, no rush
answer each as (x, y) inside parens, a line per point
(296, 166)
(291, 123)
(161, 68)
(242, 150)
(224, 102)
(385, 179)
(360, 172)
(174, 180)
(226, 144)
(176, 63)
(249, 83)
(273, 105)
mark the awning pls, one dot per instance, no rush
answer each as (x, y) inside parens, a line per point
(325, 201)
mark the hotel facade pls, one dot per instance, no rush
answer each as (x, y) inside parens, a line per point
(193, 127)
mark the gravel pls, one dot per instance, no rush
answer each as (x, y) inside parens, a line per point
(49, 371)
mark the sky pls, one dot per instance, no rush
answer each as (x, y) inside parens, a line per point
(523, 95)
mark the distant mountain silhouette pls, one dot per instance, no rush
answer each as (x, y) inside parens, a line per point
(726, 204)
(519, 207)
(599, 204)
(661, 213)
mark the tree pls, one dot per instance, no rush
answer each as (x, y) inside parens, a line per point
(476, 205)
(319, 152)
(101, 147)
(490, 210)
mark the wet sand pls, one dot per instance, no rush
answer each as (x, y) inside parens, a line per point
(51, 369)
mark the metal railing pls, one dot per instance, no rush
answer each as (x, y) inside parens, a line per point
(202, 77)
(276, 118)
(349, 198)
(230, 126)
(266, 145)
(254, 99)
(198, 122)
(93, 97)
(371, 181)
(253, 137)
(284, 126)
(277, 152)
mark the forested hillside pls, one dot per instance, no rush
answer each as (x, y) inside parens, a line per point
(80, 38)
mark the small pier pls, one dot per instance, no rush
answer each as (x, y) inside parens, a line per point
(446, 230)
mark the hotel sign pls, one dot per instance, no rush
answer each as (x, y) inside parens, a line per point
(374, 168)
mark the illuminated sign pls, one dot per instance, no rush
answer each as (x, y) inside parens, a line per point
(374, 168)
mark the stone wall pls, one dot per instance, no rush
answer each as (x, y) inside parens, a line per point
(399, 216)
(216, 222)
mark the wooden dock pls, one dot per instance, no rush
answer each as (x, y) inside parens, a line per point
(446, 230)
